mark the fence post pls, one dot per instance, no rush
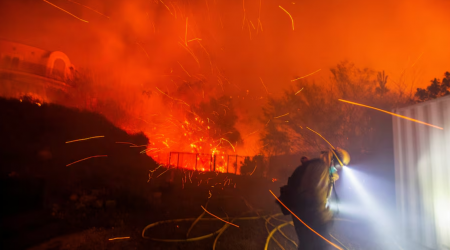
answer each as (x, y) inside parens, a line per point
(196, 157)
(210, 163)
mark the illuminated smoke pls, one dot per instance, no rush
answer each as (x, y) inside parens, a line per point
(152, 62)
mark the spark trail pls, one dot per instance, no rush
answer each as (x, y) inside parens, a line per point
(65, 11)
(394, 114)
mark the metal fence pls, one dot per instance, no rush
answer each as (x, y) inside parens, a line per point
(423, 172)
(206, 162)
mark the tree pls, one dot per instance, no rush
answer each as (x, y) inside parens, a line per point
(317, 107)
(435, 90)
(381, 80)
(253, 166)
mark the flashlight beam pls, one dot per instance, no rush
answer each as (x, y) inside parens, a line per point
(65, 11)
(329, 242)
(394, 114)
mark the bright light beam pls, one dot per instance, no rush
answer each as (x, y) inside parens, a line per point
(394, 114)
(376, 212)
(329, 242)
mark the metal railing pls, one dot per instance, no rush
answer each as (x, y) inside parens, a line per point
(207, 162)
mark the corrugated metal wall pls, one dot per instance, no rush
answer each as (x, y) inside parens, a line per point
(422, 170)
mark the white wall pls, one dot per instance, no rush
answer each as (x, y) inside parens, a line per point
(422, 169)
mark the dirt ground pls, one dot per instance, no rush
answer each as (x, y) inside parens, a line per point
(251, 199)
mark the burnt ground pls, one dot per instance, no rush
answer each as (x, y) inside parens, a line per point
(48, 205)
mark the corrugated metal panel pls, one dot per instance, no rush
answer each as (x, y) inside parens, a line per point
(422, 170)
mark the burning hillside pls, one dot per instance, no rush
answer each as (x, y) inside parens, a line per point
(194, 75)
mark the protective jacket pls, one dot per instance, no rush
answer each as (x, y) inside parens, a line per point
(307, 191)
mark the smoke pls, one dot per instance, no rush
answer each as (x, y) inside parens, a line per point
(150, 57)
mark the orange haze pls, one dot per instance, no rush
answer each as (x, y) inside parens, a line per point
(142, 43)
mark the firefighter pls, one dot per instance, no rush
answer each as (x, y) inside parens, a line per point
(310, 189)
(298, 170)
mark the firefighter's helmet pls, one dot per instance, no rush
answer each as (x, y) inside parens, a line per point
(343, 156)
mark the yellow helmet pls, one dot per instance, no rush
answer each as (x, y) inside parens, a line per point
(342, 156)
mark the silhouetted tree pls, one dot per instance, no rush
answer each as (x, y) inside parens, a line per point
(381, 80)
(317, 107)
(435, 89)
(253, 166)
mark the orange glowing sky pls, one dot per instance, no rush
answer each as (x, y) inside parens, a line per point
(388, 35)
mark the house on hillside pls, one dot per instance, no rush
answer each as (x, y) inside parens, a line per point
(33, 72)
